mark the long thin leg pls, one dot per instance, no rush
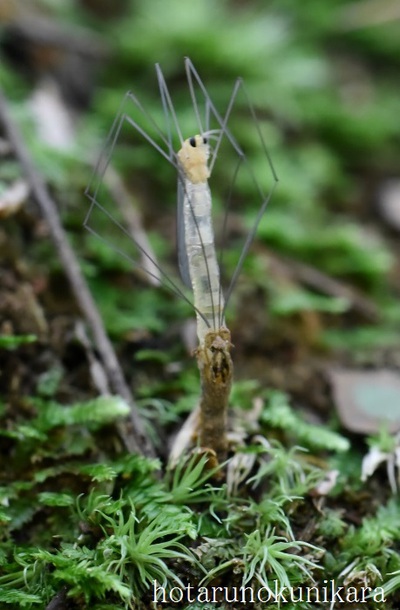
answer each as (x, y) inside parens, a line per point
(168, 108)
(96, 182)
(193, 95)
(225, 131)
(192, 72)
(112, 138)
(224, 127)
(227, 211)
(264, 199)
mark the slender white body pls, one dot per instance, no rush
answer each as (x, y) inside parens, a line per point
(201, 258)
(197, 255)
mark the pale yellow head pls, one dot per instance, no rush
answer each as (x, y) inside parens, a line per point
(193, 157)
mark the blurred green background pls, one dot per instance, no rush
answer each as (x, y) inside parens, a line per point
(323, 78)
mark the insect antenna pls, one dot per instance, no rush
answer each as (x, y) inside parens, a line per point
(168, 108)
(207, 117)
(224, 128)
(191, 71)
(188, 67)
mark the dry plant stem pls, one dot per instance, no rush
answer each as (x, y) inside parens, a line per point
(185, 437)
(135, 438)
(37, 29)
(59, 601)
(368, 13)
(216, 373)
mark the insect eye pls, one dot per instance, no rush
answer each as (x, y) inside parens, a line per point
(205, 140)
(192, 142)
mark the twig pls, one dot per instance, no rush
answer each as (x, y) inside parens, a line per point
(368, 13)
(137, 440)
(97, 372)
(13, 198)
(185, 437)
(44, 31)
(59, 601)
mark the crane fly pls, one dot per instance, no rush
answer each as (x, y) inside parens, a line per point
(211, 158)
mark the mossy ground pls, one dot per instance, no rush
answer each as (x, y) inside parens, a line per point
(82, 519)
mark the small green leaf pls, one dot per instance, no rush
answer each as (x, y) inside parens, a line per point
(153, 355)
(279, 414)
(101, 410)
(13, 341)
(289, 302)
(49, 382)
(55, 499)
(99, 472)
(16, 596)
